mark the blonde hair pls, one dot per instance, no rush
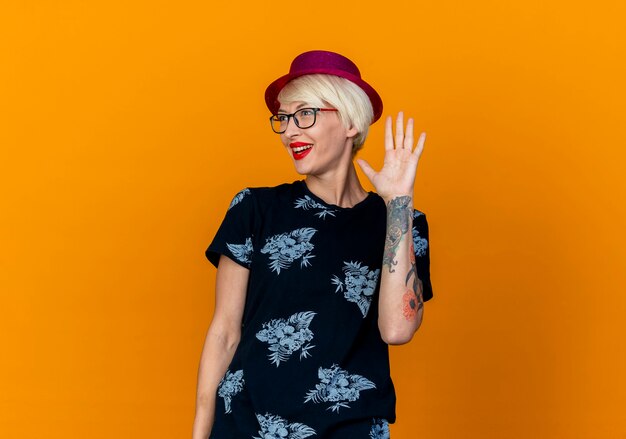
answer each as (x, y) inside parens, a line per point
(321, 90)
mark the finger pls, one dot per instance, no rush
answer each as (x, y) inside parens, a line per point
(366, 168)
(420, 145)
(400, 130)
(388, 134)
(408, 137)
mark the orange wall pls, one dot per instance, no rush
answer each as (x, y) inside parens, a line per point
(126, 127)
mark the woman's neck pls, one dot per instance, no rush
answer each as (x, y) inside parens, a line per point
(342, 189)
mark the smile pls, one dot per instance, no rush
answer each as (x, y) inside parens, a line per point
(300, 149)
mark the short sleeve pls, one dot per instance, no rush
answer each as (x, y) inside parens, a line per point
(235, 236)
(421, 245)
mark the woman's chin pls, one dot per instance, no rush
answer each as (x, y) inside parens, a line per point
(301, 168)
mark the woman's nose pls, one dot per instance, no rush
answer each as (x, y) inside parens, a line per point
(292, 128)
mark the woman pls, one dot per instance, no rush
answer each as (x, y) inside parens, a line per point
(315, 278)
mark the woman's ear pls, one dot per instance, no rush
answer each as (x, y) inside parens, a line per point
(352, 132)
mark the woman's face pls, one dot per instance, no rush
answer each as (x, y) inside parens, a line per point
(321, 149)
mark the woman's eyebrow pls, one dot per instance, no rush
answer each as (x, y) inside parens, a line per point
(302, 105)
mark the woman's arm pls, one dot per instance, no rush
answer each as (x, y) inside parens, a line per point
(221, 340)
(400, 304)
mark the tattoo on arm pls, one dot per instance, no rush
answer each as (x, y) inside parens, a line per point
(398, 224)
(399, 221)
(413, 299)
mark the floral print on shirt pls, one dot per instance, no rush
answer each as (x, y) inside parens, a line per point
(242, 252)
(358, 285)
(275, 427)
(287, 336)
(285, 248)
(338, 386)
(380, 429)
(238, 197)
(307, 203)
(419, 244)
(229, 386)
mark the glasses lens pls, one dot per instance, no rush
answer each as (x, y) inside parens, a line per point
(279, 123)
(305, 117)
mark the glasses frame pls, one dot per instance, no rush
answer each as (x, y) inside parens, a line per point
(295, 120)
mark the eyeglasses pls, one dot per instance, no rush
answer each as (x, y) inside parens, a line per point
(303, 118)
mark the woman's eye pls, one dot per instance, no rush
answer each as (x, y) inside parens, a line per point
(281, 117)
(307, 112)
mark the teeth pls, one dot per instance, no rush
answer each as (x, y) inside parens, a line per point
(301, 148)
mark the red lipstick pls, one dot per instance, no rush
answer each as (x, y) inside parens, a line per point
(300, 149)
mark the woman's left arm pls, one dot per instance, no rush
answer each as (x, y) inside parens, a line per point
(400, 303)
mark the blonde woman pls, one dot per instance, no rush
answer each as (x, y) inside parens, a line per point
(316, 277)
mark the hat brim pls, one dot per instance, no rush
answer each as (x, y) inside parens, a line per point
(272, 91)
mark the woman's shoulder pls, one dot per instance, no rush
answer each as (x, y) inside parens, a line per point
(285, 191)
(263, 198)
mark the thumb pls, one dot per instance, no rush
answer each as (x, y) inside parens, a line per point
(366, 168)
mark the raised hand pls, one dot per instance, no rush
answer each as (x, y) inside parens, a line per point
(397, 177)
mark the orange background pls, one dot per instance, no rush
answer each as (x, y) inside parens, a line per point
(126, 128)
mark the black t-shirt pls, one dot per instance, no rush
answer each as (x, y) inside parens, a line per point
(311, 359)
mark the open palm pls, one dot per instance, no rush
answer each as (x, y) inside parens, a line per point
(397, 176)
